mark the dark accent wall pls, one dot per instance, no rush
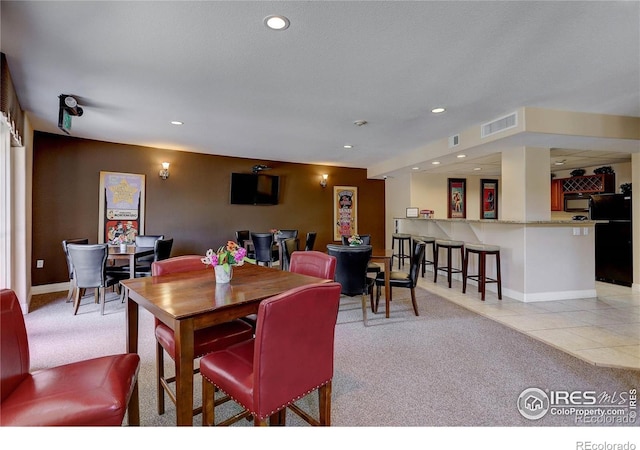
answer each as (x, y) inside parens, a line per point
(192, 206)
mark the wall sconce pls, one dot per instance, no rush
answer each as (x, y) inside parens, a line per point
(164, 173)
(323, 181)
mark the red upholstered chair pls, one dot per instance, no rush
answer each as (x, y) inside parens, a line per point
(92, 392)
(290, 357)
(204, 341)
(313, 263)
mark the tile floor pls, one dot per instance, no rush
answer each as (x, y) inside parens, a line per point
(604, 331)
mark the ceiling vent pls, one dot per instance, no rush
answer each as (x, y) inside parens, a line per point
(499, 125)
(454, 140)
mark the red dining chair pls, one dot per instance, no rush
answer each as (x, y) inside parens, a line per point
(92, 392)
(313, 263)
(204, 341)
(290, 357)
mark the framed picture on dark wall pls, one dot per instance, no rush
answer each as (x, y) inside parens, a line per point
(457, 198)
(488, 199)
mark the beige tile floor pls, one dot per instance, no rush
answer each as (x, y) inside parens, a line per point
(604, 331)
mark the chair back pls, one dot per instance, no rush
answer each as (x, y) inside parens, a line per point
(242, 236)
(162, 249)
(310, 242)
(294, 344)
(417, 255)
(366, 239)
(186, 263)
(147, 240)
(14, 345)
(314, 264)
(351, 267)
(287, 234)
(288, 247)
(263, 243)
(66, 252)
(89, 264)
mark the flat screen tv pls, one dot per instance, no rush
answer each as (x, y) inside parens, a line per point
(254, 189)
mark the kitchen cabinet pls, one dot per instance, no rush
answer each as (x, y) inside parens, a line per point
(557, 200)
(589, 184)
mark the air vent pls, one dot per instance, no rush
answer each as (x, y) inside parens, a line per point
(454, 140)
(499, 125)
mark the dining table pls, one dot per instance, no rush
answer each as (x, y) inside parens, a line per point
(190, 301)
(131, 254)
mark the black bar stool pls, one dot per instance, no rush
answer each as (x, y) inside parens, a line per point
(402, 238)
(449, 245)
(482, 251)
(430, 241)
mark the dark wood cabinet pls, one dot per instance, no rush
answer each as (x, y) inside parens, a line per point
(557, 196)
(589, 184)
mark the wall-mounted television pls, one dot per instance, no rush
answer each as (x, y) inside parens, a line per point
(254, 189)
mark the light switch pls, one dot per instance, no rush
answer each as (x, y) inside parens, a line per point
(576, 231)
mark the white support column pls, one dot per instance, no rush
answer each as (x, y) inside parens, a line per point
(526, 184)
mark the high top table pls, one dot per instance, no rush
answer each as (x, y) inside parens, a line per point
(130, 254)
(192, 300)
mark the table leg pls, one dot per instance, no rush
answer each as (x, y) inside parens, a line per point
(132, 326)
(132, 266)
(184, 372)
(387, 284)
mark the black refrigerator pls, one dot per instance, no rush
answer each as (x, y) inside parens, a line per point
(614, 251)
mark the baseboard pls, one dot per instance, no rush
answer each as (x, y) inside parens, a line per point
(49, 288)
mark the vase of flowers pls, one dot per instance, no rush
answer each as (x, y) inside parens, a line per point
(223, 260)
(355, 240)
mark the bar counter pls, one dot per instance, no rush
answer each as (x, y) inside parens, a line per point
(541, 259)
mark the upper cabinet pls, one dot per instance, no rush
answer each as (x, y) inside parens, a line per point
(589, 184)
(557, 199)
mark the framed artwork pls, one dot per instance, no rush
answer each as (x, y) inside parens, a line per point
(488, 199)
(412, 213)
(457, 200)
(121, 207)
(345, 211)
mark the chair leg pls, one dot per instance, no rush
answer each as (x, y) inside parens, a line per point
(413, 300)
(499, 276)
(435, 264)
(208, 409)
(465, 271)
(364, 309)
(324, 394)
(72, 288)
(76, 301)
(133, 409)
(159, 377)
(103, 298)
(377, 299)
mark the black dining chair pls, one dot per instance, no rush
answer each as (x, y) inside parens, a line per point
(310, 241)
(72, 281)
(243, 236)
(403, 279)
(161, 251)
(263, 245)
(89, 271)
(351, 272)
(288, 247)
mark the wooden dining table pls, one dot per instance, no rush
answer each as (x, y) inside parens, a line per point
(131, 254)
(190, 301)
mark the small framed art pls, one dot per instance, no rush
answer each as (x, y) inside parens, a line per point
(457, 200)
(488, 199)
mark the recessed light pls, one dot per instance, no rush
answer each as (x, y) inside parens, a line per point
(348, 146)
(477, 168)
(415, 168)
(360, 123)
(438, 110)
(176, 122)
(435, 163)
(462, 156)
(278, 23)
(558, 163)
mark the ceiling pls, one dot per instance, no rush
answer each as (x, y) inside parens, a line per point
(244, 90)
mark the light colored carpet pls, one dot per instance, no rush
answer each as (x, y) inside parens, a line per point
(447, 367)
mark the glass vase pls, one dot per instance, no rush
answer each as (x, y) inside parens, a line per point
(222, 276)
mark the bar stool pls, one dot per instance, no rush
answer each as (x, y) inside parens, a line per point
(482, 250)
(430, 241)
(402, 238)
(449, 245)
